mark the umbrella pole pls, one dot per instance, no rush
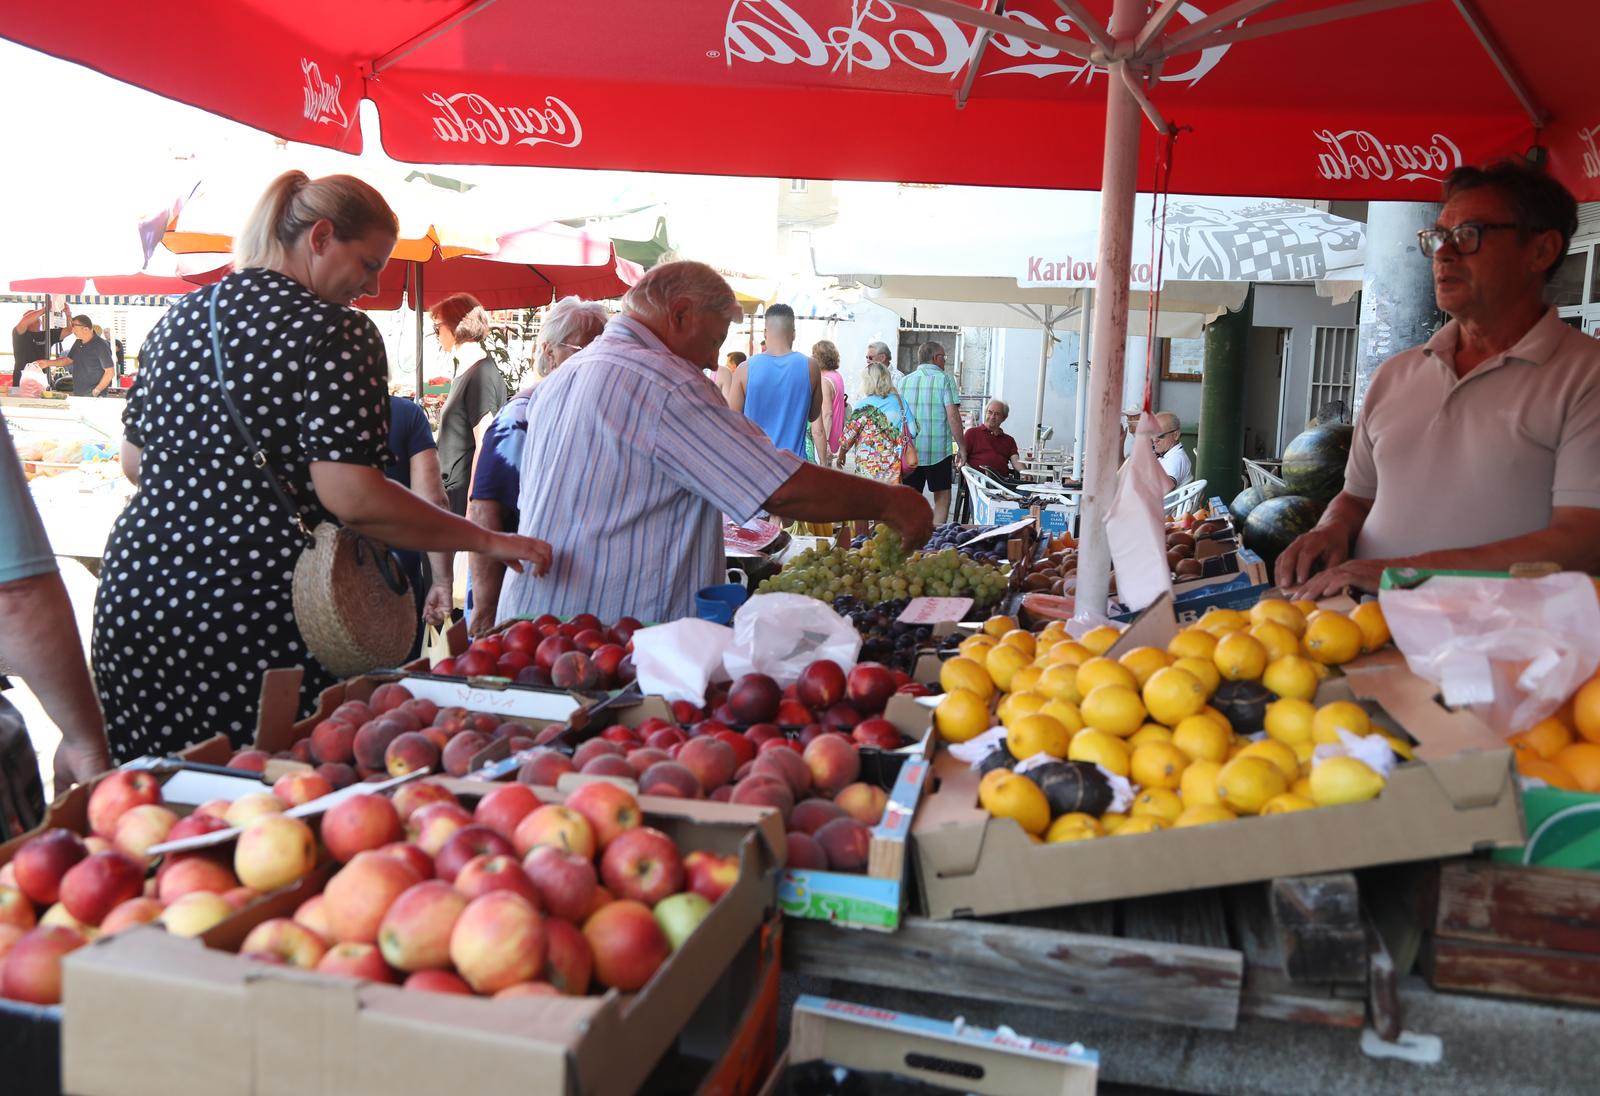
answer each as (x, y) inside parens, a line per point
(1081, 394)
(1045, 334)
(1118, 187)
(416, 304)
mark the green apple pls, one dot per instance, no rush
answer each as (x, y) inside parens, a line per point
(679, 914)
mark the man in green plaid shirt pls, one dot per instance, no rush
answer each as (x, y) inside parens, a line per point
(936, 407)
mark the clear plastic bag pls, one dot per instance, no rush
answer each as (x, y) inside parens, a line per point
(1136, 523)
(781, 634)
(679, 660)
(1511, 649)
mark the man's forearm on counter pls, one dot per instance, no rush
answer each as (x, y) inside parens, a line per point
(1571, 540)
(815, 493)
(1348, 512)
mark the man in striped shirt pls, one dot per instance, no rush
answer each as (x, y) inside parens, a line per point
(633, 457)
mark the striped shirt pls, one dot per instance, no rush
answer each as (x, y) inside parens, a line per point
(928, 391)
(632, 458)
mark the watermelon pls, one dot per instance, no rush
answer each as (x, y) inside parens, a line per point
(1248, 499)
(1274, 524)
(1313, 463)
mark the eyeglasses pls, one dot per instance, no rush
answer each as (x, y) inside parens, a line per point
(1465, 237)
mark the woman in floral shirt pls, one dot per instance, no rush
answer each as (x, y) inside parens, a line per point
(876, 426)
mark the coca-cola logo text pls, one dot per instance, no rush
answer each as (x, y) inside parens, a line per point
(467, 116)
(1591, 152)
(881, 34)
(1359, 154)
(322, 98)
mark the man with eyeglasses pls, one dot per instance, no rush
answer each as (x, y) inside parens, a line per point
(1481, 448)
(1168, 444)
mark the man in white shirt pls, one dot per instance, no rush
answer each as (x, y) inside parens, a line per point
(1169, 450)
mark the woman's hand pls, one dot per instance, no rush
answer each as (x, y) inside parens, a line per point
(437, 605)
(519, 553)
(75, 764)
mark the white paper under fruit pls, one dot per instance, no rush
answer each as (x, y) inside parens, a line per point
(1136, 525)
(781, 634)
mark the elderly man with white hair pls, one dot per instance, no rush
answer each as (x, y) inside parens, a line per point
(989, 447)
(633, 458)
(1168, 444)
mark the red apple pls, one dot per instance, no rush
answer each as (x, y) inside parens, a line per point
(411, 856)
(190, 873)
(627, 944)
(363, 961)
(142, 827)
(97, 884)
(609, 809)
(821, 685)
(116, 793)
(273, 852)
(504, 807)
(869, 686)
(463, 845)
(43, 860)
(754, 698)
(289, 940)
(412, 797)
(293, 789)
(15, 909)
(568, 962)
(565, 881)
(432, 825)
(558, 827)
(642, 864)
(498, 941)
(135, 911)
(360, 823)
(32, 969)
(415, 931)
(877, 733)
(313, 914)
(361, 892)
(710, 875)
(483, 874)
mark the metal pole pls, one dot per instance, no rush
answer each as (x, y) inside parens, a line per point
(416, 303)
(1081, 395)
(1118, 185)
(1045, 335)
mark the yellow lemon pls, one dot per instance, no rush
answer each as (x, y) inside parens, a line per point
(1277, 753)
(1064, 712)
(1158, 765)
(1199, 784)
(1112, 822)
(1240, 657)
(1106, 750)
(1332, 638)
(1069, 653)
(1289, 720)
(1279, 641)
(1288, 801)
(1144, 823)
(1368, 616)
(1173, 695)
(961, 714)
(977, 647)
(1059, 682)
(1218, 718)
(998, 626)
(1245, 783)
(1150, 732)
(1005, 794)
(1293, 677)
(1278, 611)
(1003, 662)
(1026, 678)
(1021, 639)
(1192, 643)
(966, 673)
(1220, 622)
(1400, 746)
(1305, 606)
(1099, 640)
(1115, 709)
(1103, 671)
(1201, 739)
(1013, 706)
(1163, 803)
(1055, 631)
(1340, 780)
(1203, 814)
(1202, 668)
(1036, 734)
(1302, 787)
(1303, 752)
(1142, 662)
(1341, 715)
(1074, 826)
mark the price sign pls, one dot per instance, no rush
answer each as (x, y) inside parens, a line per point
(935, 610)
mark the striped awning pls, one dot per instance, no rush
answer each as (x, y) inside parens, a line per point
(126, 300)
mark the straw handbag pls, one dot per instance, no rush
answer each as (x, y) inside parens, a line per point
(352, 602)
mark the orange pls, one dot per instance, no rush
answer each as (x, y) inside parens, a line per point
(1586, 710)
(1548, 771)
(1546, 738)
(1582, 762)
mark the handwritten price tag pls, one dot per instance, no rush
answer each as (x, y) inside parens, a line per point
(935, 610)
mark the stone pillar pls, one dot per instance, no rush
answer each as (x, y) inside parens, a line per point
(1397, 309)
(1219, 448)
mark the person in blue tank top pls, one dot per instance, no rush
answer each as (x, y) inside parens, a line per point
(779, 389)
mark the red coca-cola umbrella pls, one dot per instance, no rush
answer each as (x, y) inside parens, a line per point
(114, 285)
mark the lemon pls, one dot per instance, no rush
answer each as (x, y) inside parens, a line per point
(1112, 822)
(1340, 780)
(1203, 815)
(1199, 784)
(1306, 607)
(1099, 748)
(1240, 657)
(1059, 682)
(1303, 752)
(1036, 734)
(1075, 826)
(1157, 765)
(1145, 823)
(1069, 653)
(1332, 638)
(1276, 610)
(1162, 803)
(1202, 668)
(1192, 643)
(1289, 720)
(1150, 732)
(1100, 671)
(1142, 662)
(1246, 783)
(1368, 616)
(977, 647)
(1201, 739)
(1003, 662)
(1301, 787)
(1055, 631)
(1064, 712)
(1219, 622)
(1218, 718)
(961, 715)
(1013, 706)
(1288, 801)
(1005, 794)
(1115, 709)
(1277, 753)
(1172, 695)
(1400, 746)
(966, 673)
(1236, 747)
(1027, 678)
(1293, 677)
(1099, 640)
(998, 626)
(1341, 715)
(1020, 639)
(1279, 641)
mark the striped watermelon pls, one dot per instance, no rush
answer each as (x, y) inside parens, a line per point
(1248, 499)
(1273, 524)
(1313, 463)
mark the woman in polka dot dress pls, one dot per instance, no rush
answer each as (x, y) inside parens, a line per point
(195, 593)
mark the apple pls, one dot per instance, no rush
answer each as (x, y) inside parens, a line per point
(877, 733)
(360, 823)
(432, 826)
(15, 909)
(754, 698)
(358, 896)
(195, 913)
(610, 810)
(412, 797)
(557, 826)
(498, 941)
(97, 884)
(504, 807)
(483, 874)
(415, 931)
(273, 852)
(41, 861)
(568, 962)
(868, 687)
(250, 761)
(357, 961)
(566, 882)
(550, 649)
(217, 808)
(291, 941)
(913, 688)
(642, 864)
(627, 943)
(135, 911)
(141, 827)
(821, 685)
(196, 824)
(463, 845)
(437, 981)
(251, 806)
(293, 789)
(117, 793)
(710, 875)
(32, 969)
(189, 873)
(410, 855)
(313, 914)
(680, 914)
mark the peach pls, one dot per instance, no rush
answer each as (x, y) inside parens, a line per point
(141, 827)
(195, 913)
(250, 761)
(135, 911)
(117, 793)
(788, 765)
(834, 762)
(291, 941)
(97, 884)
(32, 970)
(410, 752)
(459, 752)
(670, 779)
(313, 914)
(415, 931)
(356, 961)
(358, 896)
(498, 941)
(412, 797)
(338, 774)
(372, 740)
(354, 712)
(804, 852)
(437, 981)
(545, 766)
(809, 814)
(559, 827)
(15, 909)
(386, 698)
(483, 874)
(293, 789)
(610, 810)
(360, 823)
(333, 742)
(627, 944)
(432, 826)
(502, 809)
(863, 802)
(595, 747)
(846, 843)
(762, 790)
(190, 874)
(251, 806)
(609, 765)
(273, 852)
(711, 760)
(565, 882)
(569, 964)
(641, 758)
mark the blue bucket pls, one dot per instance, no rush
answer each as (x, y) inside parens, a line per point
(718, 603)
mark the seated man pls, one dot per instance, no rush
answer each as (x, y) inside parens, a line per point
(1168, 444)
(988, 446)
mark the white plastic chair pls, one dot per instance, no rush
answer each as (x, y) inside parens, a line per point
(1184, 498)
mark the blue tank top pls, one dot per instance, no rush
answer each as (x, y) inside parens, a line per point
(777, 398)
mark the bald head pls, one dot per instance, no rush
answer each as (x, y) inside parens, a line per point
(688, 306)
(1168, 430)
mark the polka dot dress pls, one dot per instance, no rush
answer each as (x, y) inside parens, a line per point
(195, 592)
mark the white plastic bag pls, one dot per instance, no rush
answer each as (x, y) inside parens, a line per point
(1136, 523)
(781, 634)
(679, 660)
(1372, 750)
(1511, 649)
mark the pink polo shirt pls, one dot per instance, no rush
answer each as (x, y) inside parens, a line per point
(1455, 463)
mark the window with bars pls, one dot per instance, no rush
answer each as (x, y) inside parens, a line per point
(1333, 375)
